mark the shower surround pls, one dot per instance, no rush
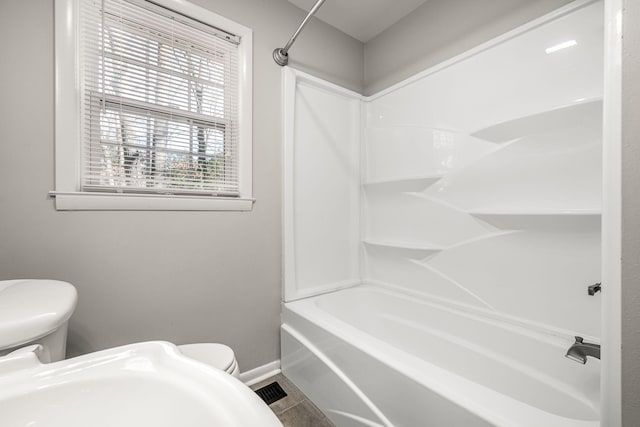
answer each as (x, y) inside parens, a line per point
(440, 236)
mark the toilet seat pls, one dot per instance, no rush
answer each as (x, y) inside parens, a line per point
(233, 368)
(219, 356)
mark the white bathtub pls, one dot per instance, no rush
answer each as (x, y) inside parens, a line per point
(371, 357)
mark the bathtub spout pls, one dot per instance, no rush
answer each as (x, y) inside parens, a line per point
(580, 350)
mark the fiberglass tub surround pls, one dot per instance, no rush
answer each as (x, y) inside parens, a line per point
(470, 213)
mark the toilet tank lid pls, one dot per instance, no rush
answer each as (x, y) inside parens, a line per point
(30, 309)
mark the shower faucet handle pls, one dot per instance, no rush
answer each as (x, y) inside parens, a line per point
(593, 289)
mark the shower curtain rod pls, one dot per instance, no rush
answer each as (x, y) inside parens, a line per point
(280, 55)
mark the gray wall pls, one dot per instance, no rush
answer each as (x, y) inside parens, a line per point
(439, 30)
(178, 276)
(631, 215)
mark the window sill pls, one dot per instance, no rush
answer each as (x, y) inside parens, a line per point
(78, 201)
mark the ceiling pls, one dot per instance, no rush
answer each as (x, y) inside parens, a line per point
(361, 19)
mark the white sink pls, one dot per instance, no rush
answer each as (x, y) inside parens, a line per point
(146, 384)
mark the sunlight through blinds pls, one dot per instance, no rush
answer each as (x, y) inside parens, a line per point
(160, 101)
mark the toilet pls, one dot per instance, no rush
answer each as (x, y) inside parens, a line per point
(217, 355)
(36, 312)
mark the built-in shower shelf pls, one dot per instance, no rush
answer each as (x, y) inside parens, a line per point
(410, 249)
(560, 219)
(567, 116)
(412, 184)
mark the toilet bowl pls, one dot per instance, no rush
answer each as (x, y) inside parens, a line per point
(36, 312)
(217, 355)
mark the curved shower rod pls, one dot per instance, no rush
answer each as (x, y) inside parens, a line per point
(280, 55)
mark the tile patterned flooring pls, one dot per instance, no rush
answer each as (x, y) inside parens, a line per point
(295, 410)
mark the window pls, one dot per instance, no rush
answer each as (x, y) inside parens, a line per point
(159, 113)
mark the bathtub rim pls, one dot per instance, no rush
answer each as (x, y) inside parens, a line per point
(472, 396)
(484, 314)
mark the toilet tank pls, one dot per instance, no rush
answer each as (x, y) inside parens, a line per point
(36, 312)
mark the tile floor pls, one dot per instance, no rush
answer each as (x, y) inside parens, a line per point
(295, 410)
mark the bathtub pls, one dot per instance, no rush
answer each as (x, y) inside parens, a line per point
(369, 356)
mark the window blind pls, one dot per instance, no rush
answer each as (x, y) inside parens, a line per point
(160, 101)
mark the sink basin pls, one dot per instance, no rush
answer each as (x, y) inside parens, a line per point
(145, 384)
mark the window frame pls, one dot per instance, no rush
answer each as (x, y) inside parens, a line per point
(68, 194)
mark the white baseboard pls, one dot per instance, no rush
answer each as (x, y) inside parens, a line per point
(260, 373)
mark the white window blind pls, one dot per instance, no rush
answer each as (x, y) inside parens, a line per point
(159, 101)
